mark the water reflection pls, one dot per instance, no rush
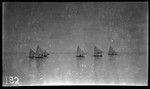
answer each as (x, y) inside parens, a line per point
(80, 66)
(79, 62)
(112, 70)
(36, 70)
(123, 68)
(98, 67)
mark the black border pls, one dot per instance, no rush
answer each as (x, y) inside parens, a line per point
(75, 86)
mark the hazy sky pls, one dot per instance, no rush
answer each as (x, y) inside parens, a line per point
(64, 26)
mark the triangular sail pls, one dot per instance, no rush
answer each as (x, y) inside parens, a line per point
(38, 54)
(31, 53)
(112, 51)
(97, 51)
(80, 52)
(39, 51)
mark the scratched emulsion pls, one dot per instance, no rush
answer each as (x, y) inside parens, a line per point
(61, 27)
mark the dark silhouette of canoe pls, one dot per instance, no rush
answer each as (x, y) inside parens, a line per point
(111, 51)
(38, 54)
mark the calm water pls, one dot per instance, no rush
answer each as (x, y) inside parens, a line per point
(67, 69)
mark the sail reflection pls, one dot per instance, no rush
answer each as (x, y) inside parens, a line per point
(36, 61)
(98, 66)
(112, 59)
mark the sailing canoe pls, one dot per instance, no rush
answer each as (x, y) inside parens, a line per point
(80, 53)
(112, 51)
(97, 52)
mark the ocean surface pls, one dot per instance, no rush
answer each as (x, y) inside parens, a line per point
(60, 69)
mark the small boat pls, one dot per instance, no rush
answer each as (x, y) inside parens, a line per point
(80, 53)
(97, 52)
(111, 51)
(38, 54)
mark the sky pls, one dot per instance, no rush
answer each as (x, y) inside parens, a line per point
(53, 24)
(63, 26)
